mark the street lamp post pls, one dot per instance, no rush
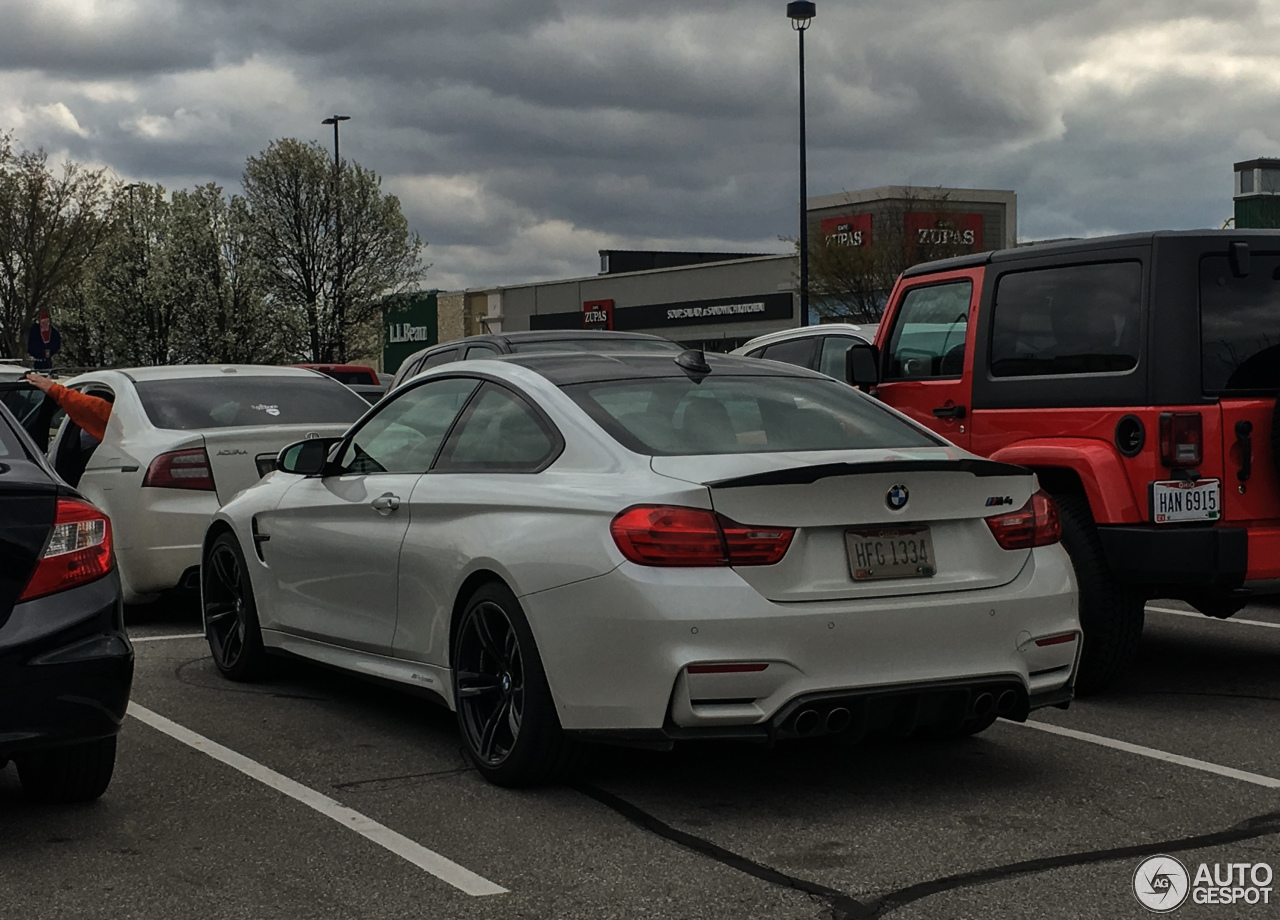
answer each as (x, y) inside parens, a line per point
(801, 13)
(339, 317)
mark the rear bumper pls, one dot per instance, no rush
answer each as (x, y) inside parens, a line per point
(616, 648)
(66, 668)
(1205, 557)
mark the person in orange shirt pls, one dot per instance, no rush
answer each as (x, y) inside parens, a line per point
(89, 412)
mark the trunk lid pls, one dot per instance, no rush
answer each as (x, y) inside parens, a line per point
(239, 457)
(824, 495)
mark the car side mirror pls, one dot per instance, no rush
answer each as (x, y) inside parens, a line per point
(862, 365)
(306, 458)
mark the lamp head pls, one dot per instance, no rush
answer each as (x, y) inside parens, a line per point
(334, 119)
(801, 13)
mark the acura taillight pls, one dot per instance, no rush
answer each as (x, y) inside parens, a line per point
(668, 536)
(1181, 439)
(181, 469)
(1037, 523)
(79, 550)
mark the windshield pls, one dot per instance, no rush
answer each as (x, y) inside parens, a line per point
(601, 346)
(223, 402)
(1240, 325)
(674, 416)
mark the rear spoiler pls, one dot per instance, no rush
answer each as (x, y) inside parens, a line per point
(804, 475)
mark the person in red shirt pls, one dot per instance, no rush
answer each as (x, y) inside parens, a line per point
(89, 412)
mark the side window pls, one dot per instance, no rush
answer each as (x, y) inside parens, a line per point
(834, 349)
(435, 360)
(1077, 319)
(792, 351)
(480, 351)
(929, 332)
(406, 433)
(498, 433)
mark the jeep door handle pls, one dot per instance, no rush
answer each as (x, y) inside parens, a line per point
(1244, 432)
(385, 504)
(949, 412)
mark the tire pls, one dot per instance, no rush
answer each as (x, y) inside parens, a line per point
(506, 715)
(1111, 612)
(80, 773)
(230, 614)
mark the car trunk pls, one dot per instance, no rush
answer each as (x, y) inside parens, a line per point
(838, 502)
(28, 508)
(239, 457)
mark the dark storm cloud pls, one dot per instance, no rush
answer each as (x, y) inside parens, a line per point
(524, 134)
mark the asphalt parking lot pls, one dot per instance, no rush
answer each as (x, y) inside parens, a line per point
(314, 794)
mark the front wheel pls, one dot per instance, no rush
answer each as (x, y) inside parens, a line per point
(1111, 612)
(79, 773)
(230, 614)
(505, 711)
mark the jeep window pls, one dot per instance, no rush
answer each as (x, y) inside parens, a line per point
(1079, 319)
(1240, 325)
(928, 335)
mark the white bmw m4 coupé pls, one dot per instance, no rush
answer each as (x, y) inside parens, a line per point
(648, 548)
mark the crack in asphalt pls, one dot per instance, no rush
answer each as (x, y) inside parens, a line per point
(846, 907)
(1227, 696)
(430, 774)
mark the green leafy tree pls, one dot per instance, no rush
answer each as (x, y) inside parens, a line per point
(216, 279)
(51, 226)
(332, 244)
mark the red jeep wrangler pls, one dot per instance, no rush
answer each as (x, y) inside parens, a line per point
(1137, 375)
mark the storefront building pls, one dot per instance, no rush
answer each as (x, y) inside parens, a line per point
(718, 301)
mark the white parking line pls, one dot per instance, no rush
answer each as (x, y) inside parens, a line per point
(1204, 765)
(444, 869)
(1201, 616)
(159, 638)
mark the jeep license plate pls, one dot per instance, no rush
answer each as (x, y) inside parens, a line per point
(1186, 500)
(897, 553)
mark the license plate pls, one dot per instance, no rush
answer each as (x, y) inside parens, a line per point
(897, 553)
(1186, 500)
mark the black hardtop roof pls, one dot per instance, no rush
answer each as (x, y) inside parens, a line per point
(570, 368)
(549, 335)
(1088, 245)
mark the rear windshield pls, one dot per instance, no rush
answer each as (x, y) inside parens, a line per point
(674, 416)
(229, 402)
(1240, 325)
(604, 346)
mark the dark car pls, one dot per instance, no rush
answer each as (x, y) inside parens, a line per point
(530, 343)
(66, 663)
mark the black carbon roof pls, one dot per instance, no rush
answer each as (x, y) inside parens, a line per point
(570, 368)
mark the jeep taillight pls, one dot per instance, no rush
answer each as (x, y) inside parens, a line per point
(1181, 439)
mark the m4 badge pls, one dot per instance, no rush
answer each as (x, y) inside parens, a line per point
(996, 501)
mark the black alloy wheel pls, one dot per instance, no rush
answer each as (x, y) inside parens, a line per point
(505, 710)
(230, 616)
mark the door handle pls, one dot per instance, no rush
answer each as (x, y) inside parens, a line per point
(385, 504)
(949, 412)
(1244, 431)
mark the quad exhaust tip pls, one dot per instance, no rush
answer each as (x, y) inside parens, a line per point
(838, 720)
(807, 722)
(1007, 701)
(983, 704)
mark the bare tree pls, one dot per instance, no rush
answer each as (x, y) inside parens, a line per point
(331, 243)
(850, 277)
(51, 225)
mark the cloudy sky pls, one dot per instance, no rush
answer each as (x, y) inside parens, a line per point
(524, 135)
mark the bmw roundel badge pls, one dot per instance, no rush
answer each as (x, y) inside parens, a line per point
(897, 497)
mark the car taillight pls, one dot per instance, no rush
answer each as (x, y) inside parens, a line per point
(1181, 439)
(181, 469)
(79, 551)
(667, 536)
(1037, 523)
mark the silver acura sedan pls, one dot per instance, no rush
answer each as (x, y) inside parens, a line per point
(648, 548)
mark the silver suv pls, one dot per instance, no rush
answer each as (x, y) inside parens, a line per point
(821, 348)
